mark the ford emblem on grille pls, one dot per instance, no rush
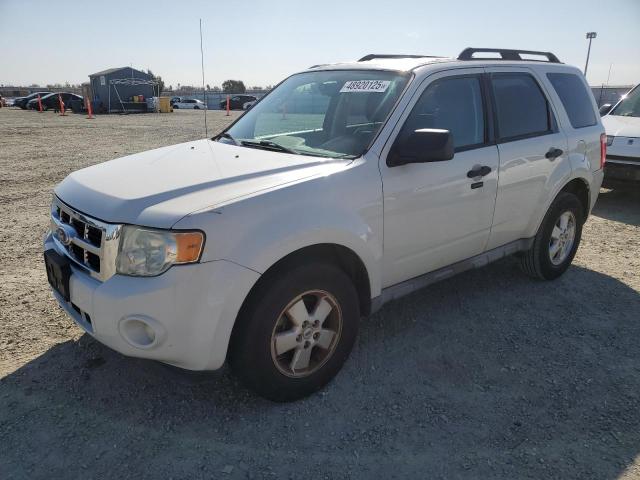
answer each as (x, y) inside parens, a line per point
(65, 234)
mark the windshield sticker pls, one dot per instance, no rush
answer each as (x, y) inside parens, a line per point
(365, 86)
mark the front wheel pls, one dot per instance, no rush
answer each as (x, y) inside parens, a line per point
(296, 332)
(557, 240)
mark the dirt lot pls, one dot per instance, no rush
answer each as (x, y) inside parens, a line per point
(487, 375)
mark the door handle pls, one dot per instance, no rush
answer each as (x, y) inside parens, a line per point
(479, 172)
(553, 153)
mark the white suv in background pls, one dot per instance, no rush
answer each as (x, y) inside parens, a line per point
(189, 103)
(347, 186)
(623, 142)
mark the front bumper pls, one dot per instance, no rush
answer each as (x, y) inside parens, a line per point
(183, 317)
(618, 174)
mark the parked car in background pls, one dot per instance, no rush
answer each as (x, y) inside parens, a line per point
(189, 103)
(264, 245)
(237, 102)
(249, 105)
(52, 102)
(23, 101)
(622, 123)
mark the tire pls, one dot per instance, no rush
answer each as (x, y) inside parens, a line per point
(196, 108)
(548, 258)
(276, 370)
(176, 107)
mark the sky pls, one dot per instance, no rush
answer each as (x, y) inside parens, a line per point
(260, 42)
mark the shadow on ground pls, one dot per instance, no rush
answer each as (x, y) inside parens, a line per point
(620, 205)
(487, 375)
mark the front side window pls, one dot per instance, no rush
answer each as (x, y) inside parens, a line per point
(453, 104)
(630, 105)
(575, 98)
(522, 109)
(335, 113)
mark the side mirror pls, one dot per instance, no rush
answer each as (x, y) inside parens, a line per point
(604, 109)
(423, 145)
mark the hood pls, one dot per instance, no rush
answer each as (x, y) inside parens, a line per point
(158, 187)
(620, 126)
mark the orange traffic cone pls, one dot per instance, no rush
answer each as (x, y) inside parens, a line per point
(89, 109)
(62, 114)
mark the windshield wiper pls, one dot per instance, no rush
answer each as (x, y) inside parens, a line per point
(337, 156)
(228, 136)
(267, 145)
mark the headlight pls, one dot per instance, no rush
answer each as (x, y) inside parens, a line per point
(610, 140)
(145, 252)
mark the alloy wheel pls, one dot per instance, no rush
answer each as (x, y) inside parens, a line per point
(306, 333)
(562, 238)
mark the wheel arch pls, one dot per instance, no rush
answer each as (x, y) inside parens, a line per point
(339, 255)
(578, 186)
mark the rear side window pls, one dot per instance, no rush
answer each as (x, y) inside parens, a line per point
(522, 109)
(574, 97)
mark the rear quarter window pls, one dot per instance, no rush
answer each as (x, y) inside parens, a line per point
(575, 98)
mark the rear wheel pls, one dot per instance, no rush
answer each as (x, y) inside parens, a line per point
(557, 240)
(296, 332)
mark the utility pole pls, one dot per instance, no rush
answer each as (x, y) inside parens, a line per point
(590, 36)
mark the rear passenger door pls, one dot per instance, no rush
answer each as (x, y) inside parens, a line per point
(532, 150)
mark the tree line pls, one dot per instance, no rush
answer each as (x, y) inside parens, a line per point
(228, 86)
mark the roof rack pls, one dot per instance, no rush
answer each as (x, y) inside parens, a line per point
(373, 56)
(505, 54)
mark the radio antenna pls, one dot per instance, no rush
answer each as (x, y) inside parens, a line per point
(204, 90)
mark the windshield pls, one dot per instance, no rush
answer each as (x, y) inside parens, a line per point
(630, 105)
(327, 113)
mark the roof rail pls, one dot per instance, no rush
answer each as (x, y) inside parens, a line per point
(505, 54)
(373, 56)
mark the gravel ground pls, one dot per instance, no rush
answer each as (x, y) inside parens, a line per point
(486, 375)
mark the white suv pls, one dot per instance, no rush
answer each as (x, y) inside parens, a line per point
(347, 186)
(189, 103)
(623, 141)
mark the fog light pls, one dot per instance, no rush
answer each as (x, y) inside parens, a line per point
(141, 332)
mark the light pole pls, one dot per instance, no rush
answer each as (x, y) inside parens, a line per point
(590, 36)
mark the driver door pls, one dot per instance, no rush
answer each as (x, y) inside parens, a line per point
(434, 213)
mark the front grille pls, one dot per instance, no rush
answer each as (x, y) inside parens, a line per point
(90, 235)
(89, 242)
